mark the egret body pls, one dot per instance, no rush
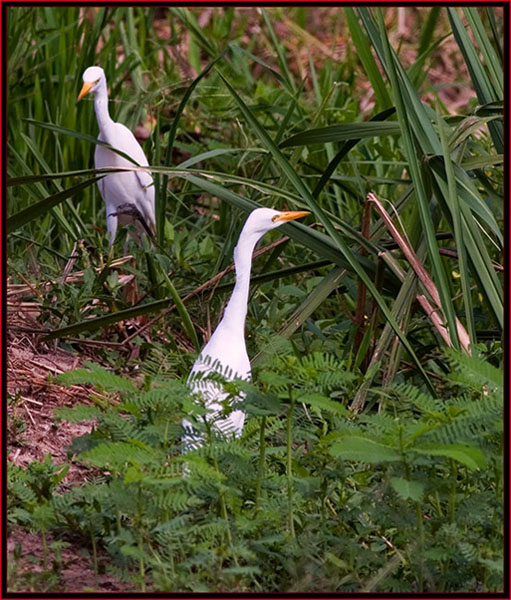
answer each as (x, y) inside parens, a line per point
(129, 196)
(226, 351)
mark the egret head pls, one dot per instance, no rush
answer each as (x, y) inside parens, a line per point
(262, 220)
(92, 77)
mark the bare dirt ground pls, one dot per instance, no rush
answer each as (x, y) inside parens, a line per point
(32, 367)
(73, 566)
(32, 433)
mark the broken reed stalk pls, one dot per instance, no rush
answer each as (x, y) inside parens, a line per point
(420, 271)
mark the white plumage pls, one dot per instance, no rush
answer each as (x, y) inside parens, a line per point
(129, 197)
(226, 350)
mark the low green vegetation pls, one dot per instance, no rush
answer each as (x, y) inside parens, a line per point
(371, 458)
(308, 499)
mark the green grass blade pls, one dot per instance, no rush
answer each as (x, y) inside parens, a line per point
(236, 49)
(496, 73)
(485, 91)
(90, 325)
(366, 58)
(79, 136)
(466, 189)
(190, 21)
(280, 52)
(203, 156)
(171, 139)
(315, 240)
(347, 146)
(453, 202)
(40, 208)
(80, 225)
(183, 313)
(490, 13)
(340, 133)
(426, 36)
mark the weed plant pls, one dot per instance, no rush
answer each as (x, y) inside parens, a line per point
(308, 499)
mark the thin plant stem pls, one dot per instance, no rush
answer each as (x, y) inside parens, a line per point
(225, 516)
(260, 468)
(141, 565)
(223, 504)
(289, 473)
(94, 552)
(45, 550)
(420, 530)
(452, 491)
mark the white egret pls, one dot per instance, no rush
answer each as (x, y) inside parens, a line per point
(226, 350)
(129, 196)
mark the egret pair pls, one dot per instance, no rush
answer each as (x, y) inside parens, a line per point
(129, 198)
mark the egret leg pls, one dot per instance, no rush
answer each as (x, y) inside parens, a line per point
(111, 225)
(136, 234)
(148, 221)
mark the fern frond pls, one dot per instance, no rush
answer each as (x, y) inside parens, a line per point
(119, 428)
(76, 414)
(174, 500)
(96, 375)
(117, 455)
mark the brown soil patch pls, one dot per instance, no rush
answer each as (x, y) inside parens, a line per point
(32, 433)
(32, 367)
(72, 571)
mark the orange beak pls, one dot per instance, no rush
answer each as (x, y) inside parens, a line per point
(85, 90)
(291, 215)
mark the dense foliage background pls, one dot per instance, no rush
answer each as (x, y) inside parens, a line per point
(372, 456)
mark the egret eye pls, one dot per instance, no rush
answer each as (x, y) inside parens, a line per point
(275, 218)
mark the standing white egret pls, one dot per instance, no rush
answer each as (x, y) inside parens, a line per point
(226, 350)
(129, 196)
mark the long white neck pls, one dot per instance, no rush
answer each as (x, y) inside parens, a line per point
(235, 312)
(101, 108)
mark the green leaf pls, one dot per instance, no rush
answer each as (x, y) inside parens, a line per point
(212, 153)
(366, 58)
(484, 87)
(40, 208)
(342, 132)
(275, 380)
(76, 414)
(80, 136)
(415, 123)
(408, 489)
(319, 402)
(357, 447)
(473, 458)
(90, 325)
(320, 293)
(476, 372)
(160, 210)
(133, 474)
(346, 147)
(118, 455)
(280, 52)
(97, 375)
